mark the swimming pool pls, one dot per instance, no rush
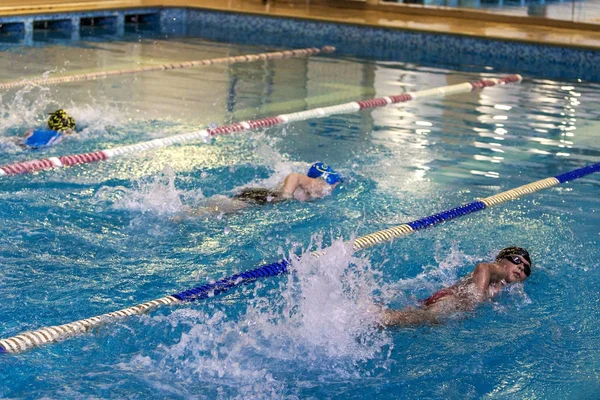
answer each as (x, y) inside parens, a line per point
(95, 238)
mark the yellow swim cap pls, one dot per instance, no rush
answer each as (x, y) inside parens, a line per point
(61, 121)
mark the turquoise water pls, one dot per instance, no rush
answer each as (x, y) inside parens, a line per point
(91, 239)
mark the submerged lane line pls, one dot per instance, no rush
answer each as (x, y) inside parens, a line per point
(31, 339)
(164, 67)
(204, 134)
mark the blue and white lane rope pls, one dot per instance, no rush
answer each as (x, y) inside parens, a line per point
(385, 235)
(28, 340)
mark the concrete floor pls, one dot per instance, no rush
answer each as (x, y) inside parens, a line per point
(468, 22)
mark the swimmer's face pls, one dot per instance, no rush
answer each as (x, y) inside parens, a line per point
(515, 268)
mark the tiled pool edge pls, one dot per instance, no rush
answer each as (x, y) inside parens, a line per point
(352, 40)
(392, 44)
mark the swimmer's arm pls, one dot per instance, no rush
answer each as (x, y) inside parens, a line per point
(290, 184)
(293, 181)
(483, 275)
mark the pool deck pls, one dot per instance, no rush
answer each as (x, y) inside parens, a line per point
(466, 22)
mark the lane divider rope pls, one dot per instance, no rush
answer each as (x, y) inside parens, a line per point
(204, 134)
(28, 340)
(164, 67)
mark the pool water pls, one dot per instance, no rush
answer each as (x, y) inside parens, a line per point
(92, 239)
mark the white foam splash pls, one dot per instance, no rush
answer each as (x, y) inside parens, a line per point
(320, 321)
(330, 302)
(157, 194)
(29, 108)
(25, 110)
(96, 119)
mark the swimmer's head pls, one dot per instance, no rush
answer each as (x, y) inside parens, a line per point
(60, 121)
(325, 172)
(515, 251)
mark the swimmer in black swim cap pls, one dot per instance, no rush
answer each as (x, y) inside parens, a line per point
(512, 265)
(516, 256)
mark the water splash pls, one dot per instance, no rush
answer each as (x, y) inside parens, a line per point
(156, 194)
(319, 321)
(24, 110)
(29, 108)
(97, 119)
(330, 302)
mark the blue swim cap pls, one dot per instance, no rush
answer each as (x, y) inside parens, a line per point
(325, 172)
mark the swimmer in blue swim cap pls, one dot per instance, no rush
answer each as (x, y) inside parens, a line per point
(511, 265)
(60, 124)
(325, 172)
(319, 182)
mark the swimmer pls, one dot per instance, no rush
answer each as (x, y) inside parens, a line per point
(512, 265)
(319, 182)
(60, 124)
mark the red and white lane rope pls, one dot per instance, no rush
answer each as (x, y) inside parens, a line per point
(164, 67)
(204, 134)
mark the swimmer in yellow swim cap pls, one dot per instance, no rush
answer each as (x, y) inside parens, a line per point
(60, 124)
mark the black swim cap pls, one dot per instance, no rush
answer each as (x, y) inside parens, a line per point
(514, 250)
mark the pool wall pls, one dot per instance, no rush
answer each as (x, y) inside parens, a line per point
(351, 40)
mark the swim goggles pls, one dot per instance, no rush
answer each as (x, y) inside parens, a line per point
(517, 261)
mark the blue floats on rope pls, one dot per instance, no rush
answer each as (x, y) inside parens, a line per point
(446, 215)
(578, 173)
(223, 285)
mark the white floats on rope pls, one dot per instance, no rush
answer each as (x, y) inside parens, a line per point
(204, 134)
(31, 339)
(164, 67)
